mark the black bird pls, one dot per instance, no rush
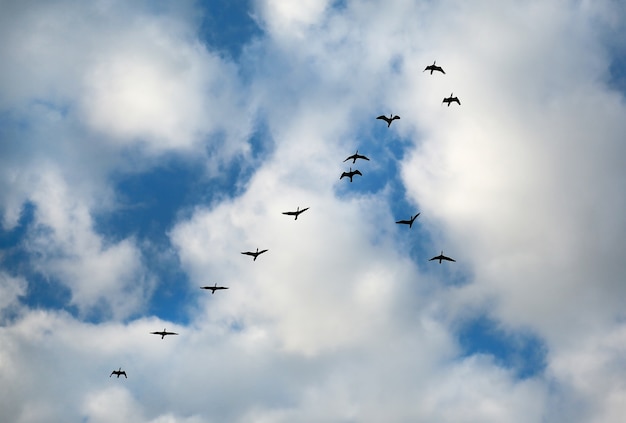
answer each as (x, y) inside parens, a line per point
(356, 156)
(350, 174)
(163, 333)
(295, 213)
(389, 119)
(408, 222)
(441, 257)
(434, 67)
(451, 100)
(118, 373)
(254, 254)
(214, 288)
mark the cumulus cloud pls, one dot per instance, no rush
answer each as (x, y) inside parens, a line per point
(522, 181)
(286, 20)
(11, 288)
(532, 190)
(164, 93)
(100, 274)
(123, 86)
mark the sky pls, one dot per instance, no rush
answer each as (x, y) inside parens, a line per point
(144, 145)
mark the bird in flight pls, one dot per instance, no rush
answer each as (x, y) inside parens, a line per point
(295, 213)
(389, 119)
(214, 288)
(441, 257)
(434, 67)
(118, 373)
(350, 174)
(163, 333)
(356, 156)
(451, 100)
(408, 222)
(254, 254)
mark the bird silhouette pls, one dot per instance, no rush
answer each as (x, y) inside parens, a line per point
(350, 174)
(408, 222)
(254, 254)
(451, 100)
(356, 156)
(441, 257)
(118, 373)
(295, 213)
(163, 333)
(389, 119)
(434, 67)
(213, 288)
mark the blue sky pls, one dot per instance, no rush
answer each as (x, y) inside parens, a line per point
(145, 145)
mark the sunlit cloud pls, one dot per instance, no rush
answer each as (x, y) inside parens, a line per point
(344, 318)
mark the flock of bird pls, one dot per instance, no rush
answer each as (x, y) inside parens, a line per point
(350, 174)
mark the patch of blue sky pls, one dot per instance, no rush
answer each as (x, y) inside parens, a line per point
(381, 175)
(385, 150)
(10, 239)
(172, 299)
(617, 72)
(153, 202)
(339, 4)
(615, 50)
(41, 292)
(522, 352)
(149, 201)
(227, 25)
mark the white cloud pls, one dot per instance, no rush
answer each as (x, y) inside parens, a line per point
(97, 89)
(285, 20)
(522, 181)
(103, 276)
(164, 93)
(527, 186)
(11, 288)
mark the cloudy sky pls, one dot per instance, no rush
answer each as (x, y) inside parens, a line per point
(144, 145)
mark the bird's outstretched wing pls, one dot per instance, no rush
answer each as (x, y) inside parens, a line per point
(357, 172)
(442, 257)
